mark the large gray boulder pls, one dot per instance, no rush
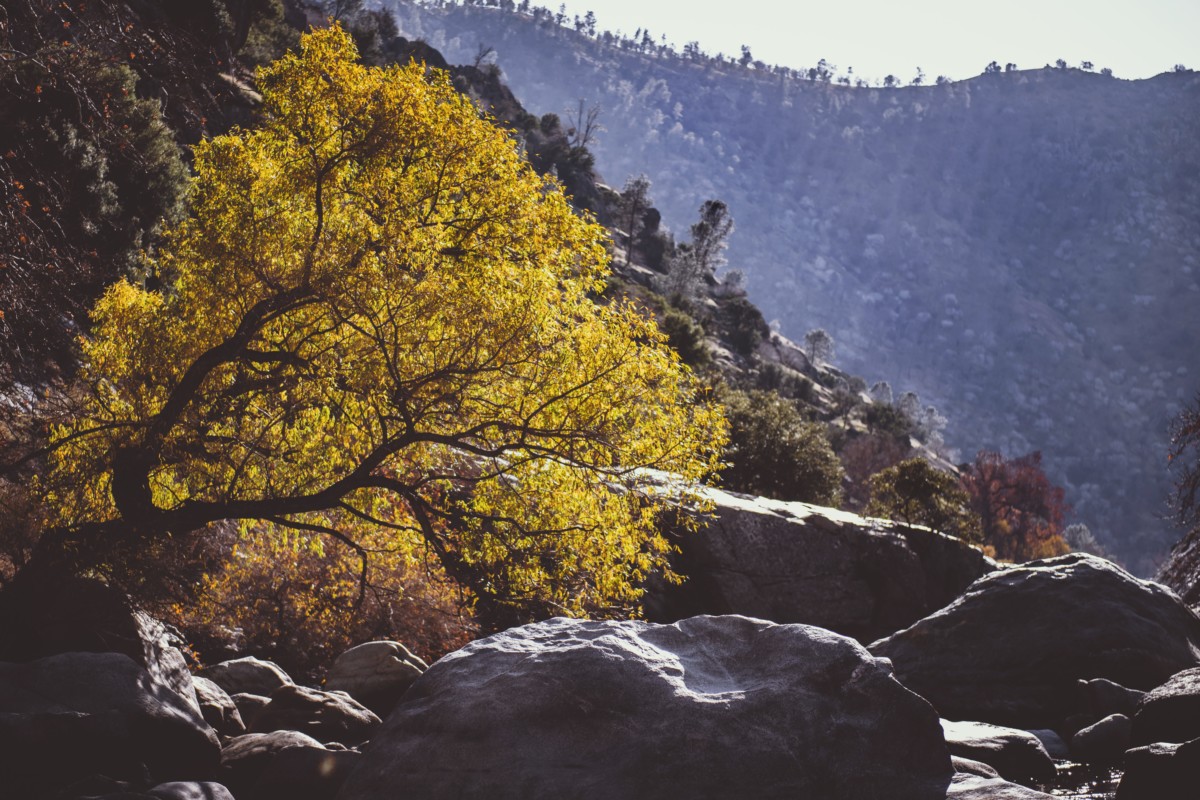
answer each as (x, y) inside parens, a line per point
(710, 707)
(795, 562)
(376, 674)
(74, 714)
(1017, 755)
(1012, 648)
(325, 716)
(247, 675)
(1170, 713)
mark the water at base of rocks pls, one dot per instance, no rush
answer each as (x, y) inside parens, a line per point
(1084, 782)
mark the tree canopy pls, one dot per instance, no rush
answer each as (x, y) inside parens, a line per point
(1020, 511)
(916, 493)
(380, 319)
(776, 452)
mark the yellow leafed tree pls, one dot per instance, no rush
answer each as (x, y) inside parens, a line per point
(379, 326)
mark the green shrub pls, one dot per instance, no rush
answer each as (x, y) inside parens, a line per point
(785, 382)
(743, 324)
(774, 451)
(685, 336)
(888, 419)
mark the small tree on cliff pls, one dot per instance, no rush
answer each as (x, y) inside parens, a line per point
(915, 493)
(380, 332)
(631, 210)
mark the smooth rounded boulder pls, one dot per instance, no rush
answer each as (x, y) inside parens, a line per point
(247, 675)
(1017, 755)
(709, 707)
(1011, 649)
(1103, 742)
(376, 674)
(218, 708)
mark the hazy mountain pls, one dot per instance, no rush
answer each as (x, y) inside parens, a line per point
(1020, 248)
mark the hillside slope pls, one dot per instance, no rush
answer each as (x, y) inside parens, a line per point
(1019, 248)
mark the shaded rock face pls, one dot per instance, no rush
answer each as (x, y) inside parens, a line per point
(73, 714)
(249, 705)
(794, 562)
(325, 716)
(1100, 697)
(1170, 713)
(247, 675)
(1017, 755)
(1103, 742)
(708, 707)
(218, 708)
(41, 618)
(245, 758)
(376, 674)
(1161, 772)
(1012, 648)
(304, 773)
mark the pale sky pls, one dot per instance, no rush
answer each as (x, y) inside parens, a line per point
(1135, 38)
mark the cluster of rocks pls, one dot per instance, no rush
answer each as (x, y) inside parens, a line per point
(115, 713)
(1068, 658)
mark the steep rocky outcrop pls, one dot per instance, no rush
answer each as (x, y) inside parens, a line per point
(794, 562)
(709, 707)
(1011, 649)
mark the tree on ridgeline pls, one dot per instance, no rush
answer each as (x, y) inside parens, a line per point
(380, 337)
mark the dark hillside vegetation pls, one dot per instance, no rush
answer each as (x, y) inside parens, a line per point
(1019, 248)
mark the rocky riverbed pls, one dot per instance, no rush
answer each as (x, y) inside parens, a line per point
(1061, 678)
